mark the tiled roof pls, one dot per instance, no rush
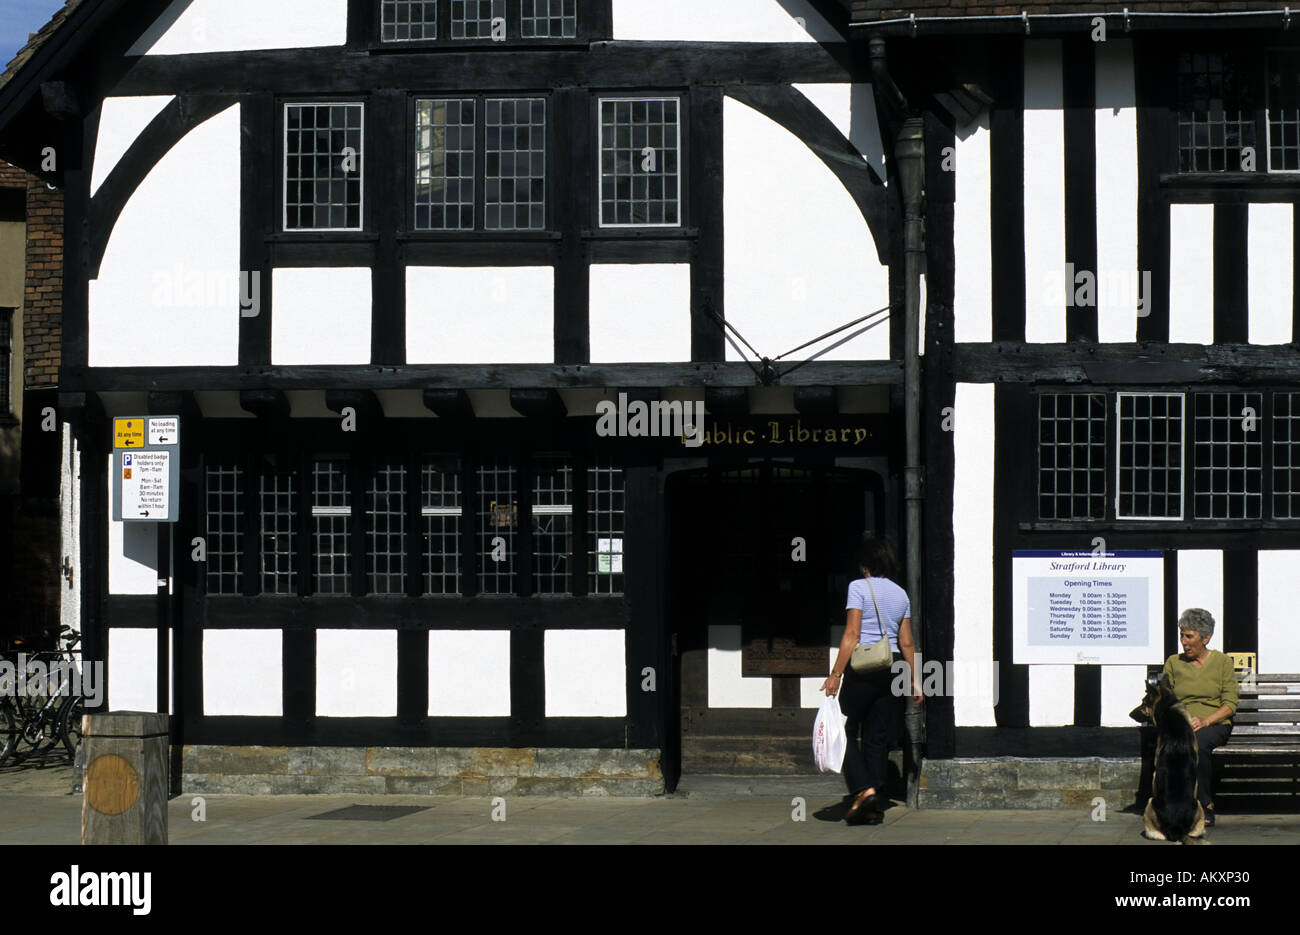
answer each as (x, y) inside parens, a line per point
(865, 11)
(37, 39)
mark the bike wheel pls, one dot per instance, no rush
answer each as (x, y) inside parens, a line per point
(9, 744)
(70, 725)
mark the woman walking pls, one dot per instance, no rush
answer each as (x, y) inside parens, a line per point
(876, 608)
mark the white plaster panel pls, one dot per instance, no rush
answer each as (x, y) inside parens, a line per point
(727, 687)
(480, 314)
(1117, 194)
(133, 669)
(356, 673)
(1191, 274)
(586, 673)
(190, 26)
(243, 672)
(1270, 272)
(1279, 596)
(640, 312)
(1044, 155)
(1051, 696)
(721, 21)
(168, 287)
(1121, 690)
(852, 108)
(132, 552)
(799, 258)
(320, 316)
(972, 229)
(1200, 584)
(469, 673)
(972, 528)
(121, 120)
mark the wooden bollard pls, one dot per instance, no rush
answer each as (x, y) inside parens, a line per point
(124, 786)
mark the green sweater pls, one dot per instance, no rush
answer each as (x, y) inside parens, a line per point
(1205, 689)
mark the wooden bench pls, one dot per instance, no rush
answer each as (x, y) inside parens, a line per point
(1258, 769)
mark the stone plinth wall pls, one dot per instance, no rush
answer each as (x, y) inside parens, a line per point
(419, 771)
(1013, 782)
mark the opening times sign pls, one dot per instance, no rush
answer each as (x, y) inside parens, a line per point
(1087, 608)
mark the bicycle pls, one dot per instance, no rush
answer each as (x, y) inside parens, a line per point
(46, 714)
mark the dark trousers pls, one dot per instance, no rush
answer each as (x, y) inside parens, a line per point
(875, 716)
(1207, 738)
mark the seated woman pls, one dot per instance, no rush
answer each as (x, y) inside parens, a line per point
(1205, 683)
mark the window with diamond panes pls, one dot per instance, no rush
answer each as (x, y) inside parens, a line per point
(549, 19)
(498, 522)
(1071, 456)
(323, 166)
(473, 19)
(386, 528)
(605, 502)
(225, 526)
(331, 517)
(1150, 457)
(1286, 456)
(1228, 450)
(514, 164)
(1216, 110)
(277, 493)
(409, 20)
(552, 525)
(440, 513)
(444, 164)
(639, 162)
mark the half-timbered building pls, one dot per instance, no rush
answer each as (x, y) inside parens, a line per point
(428, 283)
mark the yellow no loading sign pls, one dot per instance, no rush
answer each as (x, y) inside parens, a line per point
(128, 433)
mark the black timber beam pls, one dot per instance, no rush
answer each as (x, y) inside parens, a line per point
(538, 403)
(174, 402)
(449, 404)
(363, 402)
(815, 400)
(726, 401)
(1143, 364)
(485, 376)
(271, 405)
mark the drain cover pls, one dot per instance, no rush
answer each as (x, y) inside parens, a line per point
(370, 812)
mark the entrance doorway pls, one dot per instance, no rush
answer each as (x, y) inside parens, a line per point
(760, 557)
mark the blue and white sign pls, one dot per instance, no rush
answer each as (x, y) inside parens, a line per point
(1087, 608)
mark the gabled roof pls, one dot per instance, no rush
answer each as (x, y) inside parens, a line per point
(37, 39)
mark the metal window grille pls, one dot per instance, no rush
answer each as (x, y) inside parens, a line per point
(1228, 451)
(6, 355)
(549, 19)
(1283, 111)
(472, 19)
(278, 493)
(1286, 455)
(639, 150)
(409, 20)
(1072, 456)
(323, 166)
(498, 517)
(1216, 111)
(552, 525)
(331, 512)
(444, 164)
(515, 164)
(605, 502)
(225, 526)
(1150, 457)
(386, 535)
(440, 511)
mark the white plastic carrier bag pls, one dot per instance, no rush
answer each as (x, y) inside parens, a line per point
(829, 739)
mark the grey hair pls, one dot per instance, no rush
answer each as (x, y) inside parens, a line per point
(1194, 618)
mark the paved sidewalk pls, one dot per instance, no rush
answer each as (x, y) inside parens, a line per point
(36, 808)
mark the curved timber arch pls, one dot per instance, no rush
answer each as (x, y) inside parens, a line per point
(168, 128)
(785, 106)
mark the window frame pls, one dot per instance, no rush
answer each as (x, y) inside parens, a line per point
(363, 169)
(680, 97)
(593, 25)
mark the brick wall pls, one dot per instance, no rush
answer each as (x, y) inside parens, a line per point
(43, 302)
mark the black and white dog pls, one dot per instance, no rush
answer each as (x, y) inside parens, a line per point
(1173, 813)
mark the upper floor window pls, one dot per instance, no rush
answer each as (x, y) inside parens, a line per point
(322, 166)
(510, 186)
(1239, 111)
(548, 19)
(482, 20)
(408, 20)
(640, 147)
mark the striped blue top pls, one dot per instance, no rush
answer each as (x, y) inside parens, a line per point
(894, 606)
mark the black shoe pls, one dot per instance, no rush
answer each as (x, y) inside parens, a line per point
(1209, 818)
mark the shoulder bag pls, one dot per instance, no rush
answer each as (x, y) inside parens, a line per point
(878, 656)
